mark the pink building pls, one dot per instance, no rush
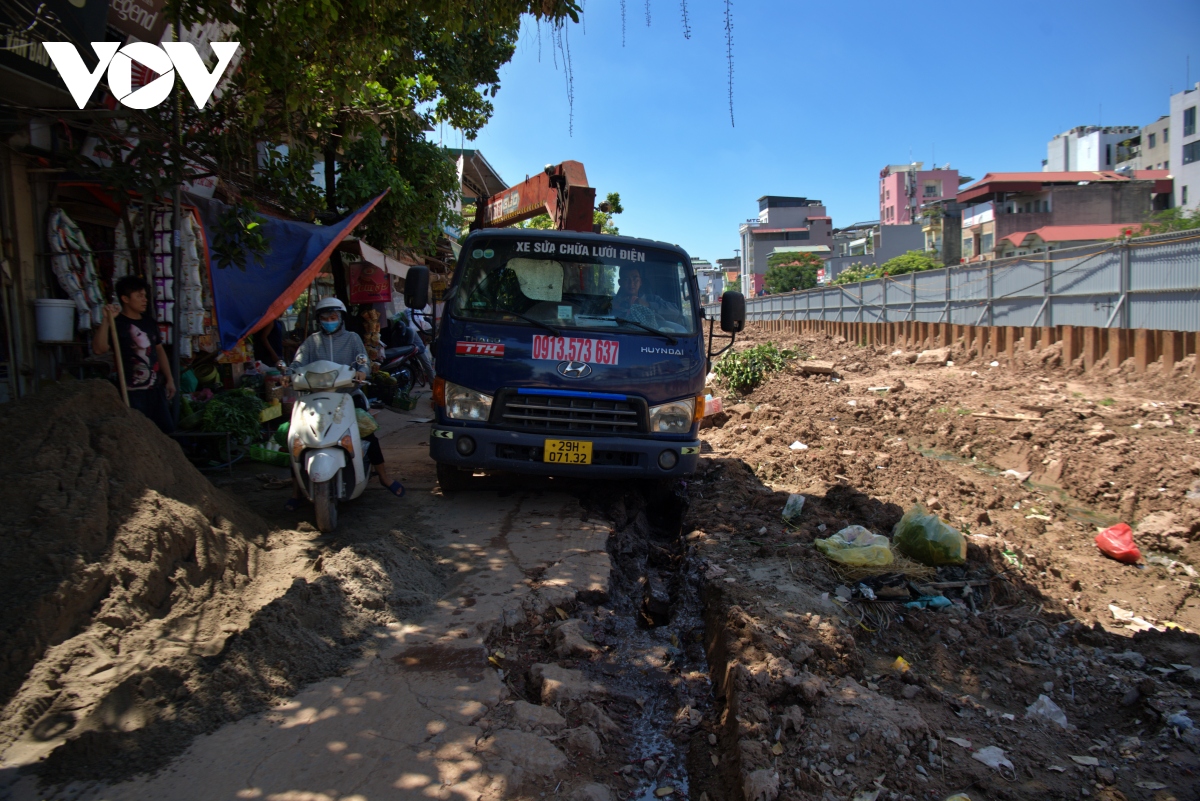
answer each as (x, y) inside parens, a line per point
(904, 188)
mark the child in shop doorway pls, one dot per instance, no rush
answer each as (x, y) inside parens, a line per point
(147, 371)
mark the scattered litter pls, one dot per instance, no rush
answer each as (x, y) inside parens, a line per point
(1135, 622)
(855, 546)
(901, 664)
(762, 531)
(781, 634)
(866, 592)
(663, 792)
(1038, 517)
(1116, 542)
(924, 537)
(1018, 475)
(960, 742)
(777, 749)
(1180, 720)
(993, 364)
(1152, 785)
(930, 602)
(1045, 709)
(993, 757)
(851, 403)
(793, 508)
(879, 389)
(716, 571)
(798, 446)
(1057, 768)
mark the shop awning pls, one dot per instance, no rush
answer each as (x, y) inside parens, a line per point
(364, 252)
(245, 300)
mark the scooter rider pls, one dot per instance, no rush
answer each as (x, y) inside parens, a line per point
(335, 343)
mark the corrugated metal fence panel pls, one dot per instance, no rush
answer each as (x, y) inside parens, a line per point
(1098, 273)
(1168, 311)
(1167, 265)
(1085, 285)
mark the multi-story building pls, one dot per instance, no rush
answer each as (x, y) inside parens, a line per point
(941, 223)
(1156, 145)
(1014, 213)
(781, 221)
(710, 278)
(870, 243)
(1087, 147)
(731, 269)
(1185, 147)
(904, 188)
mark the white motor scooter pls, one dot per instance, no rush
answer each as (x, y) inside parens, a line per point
(328, 457)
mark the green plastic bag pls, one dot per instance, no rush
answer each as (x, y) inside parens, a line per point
(857, 547)
(366, 423)
(924, 537)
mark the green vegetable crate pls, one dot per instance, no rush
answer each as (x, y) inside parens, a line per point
(261, 454)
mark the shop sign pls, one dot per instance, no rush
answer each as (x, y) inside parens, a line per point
(368, 283)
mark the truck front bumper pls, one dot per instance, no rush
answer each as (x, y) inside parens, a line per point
(521, 452)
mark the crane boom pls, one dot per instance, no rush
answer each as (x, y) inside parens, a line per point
(560, 190)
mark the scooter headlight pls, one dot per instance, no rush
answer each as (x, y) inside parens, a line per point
(672, 418)
(467, 404)
(321, 380)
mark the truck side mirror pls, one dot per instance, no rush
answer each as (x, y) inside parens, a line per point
(416, 287)
(733, 312)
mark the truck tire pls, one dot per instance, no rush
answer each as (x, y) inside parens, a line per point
(451, 479)
(325, 503)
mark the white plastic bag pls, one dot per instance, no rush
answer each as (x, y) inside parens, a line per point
(793, 508)
(1046, 710)
(993, 757)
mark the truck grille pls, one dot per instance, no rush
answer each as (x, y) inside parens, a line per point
(574, 413)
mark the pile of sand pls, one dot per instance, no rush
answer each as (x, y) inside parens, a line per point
(141, 606)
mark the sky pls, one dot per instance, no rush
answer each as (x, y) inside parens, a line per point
(824, 96)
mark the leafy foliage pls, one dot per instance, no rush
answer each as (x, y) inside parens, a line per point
(238, 238)
(732, 286)
(321, 77)
(1171, 220)
(235, 411)
(788, 272)
(914, 261)
(743, 370)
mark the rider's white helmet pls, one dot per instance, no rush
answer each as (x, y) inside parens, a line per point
(331, 303)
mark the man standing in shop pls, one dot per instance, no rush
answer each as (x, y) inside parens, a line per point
(147, 371)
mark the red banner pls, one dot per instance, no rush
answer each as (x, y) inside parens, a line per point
(368, 283)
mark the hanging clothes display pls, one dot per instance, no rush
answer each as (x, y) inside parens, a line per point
(74, 266)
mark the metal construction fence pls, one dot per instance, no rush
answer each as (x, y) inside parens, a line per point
(1147, 282)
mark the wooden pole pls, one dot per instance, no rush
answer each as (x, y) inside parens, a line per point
(116, 346)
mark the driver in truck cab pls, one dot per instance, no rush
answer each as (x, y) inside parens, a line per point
(335, 343)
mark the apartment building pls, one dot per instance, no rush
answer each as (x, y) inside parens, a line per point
(781, 222)
(904, 188)
(1087, 147)
(1185, 147)
(1016, 213)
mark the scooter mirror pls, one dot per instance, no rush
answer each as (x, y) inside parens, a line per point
(416, 287)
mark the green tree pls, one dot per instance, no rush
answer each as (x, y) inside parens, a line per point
(787, 272)
(356, 83)
(732, 286)
(914, 261)
(1170, 220)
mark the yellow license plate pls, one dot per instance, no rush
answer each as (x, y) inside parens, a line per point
(568, 451)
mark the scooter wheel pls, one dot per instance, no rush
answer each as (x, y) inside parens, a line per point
(326, 506)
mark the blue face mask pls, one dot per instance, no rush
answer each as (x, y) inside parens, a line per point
(330, 326)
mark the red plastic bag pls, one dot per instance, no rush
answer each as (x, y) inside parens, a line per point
(1117, 542)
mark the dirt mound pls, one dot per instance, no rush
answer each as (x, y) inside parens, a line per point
(143, 606)
(103, 517)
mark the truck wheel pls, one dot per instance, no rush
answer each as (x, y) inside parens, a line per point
(326, 506)
(451, 479)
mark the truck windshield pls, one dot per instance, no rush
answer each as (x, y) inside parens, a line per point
(575, 285)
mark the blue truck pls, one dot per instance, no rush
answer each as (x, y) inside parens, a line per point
(563, 353)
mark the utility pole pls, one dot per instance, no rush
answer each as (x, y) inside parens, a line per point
(176, 243)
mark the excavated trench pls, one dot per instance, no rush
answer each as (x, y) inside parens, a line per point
(650, 638)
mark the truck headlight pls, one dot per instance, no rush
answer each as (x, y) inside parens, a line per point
(467, 404)
(672, 418)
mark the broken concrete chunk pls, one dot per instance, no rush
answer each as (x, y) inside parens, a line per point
(534, 754)
(936, 357)
(564, 686)
(572, 638)
(592, 792)
(532, 716)
(817, 367)
(584, 741)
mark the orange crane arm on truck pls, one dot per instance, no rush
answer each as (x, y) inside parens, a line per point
(560, 190)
